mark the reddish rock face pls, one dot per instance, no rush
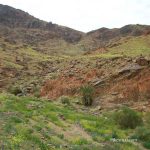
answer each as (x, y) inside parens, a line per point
(66, 84)
(135, 88)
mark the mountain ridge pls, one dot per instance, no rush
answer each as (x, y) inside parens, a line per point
(20, 28)
(13, 17)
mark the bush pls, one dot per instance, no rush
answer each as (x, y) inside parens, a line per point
(143, 134)
(147, 118)
(36, 92)
(87, 95)
(128, 118)
(65, 100)
(81, 141)
(147, 145)
(15, 90)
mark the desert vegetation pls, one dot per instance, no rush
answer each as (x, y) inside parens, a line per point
(87, 95)
(62, 89)
(40, 124)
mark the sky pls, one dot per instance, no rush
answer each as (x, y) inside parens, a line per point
(86, 15)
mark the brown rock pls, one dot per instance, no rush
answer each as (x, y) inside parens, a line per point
(130, 67)
(142, 61)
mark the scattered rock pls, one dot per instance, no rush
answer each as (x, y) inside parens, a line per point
(128, 59)
(77, 102)
(98, 82)
(98, 108)
(62, 117)
(29, 88)
(142, 61)
(114, 93)
(66, 146)
(130, 67)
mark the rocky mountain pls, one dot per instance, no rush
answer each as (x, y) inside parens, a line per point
(128, 30)
(20, 27)
(105, 35)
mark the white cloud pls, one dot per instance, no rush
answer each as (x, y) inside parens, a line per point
(86, 15)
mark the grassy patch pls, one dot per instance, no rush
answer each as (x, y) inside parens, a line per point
(133, 46)
(29, 122)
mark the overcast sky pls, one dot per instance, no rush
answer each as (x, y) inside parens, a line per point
(86, 15)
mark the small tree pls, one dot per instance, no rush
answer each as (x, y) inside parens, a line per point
(87, 95)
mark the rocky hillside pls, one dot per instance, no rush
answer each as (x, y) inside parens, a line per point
(64, 89)
(19, 28)
(108, 36)
(30, 47)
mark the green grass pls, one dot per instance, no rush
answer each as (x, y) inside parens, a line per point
(35, 55)
(28, 122)
(134, 46)
(12, 65)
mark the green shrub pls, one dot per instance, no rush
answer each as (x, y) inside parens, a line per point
(147, 118)
(38, 128)
(143, 134)
(147, 145)
(114, 134)
(81, 141)
(61, 136)
(36, 91)
(87, 95)
(16, 119)
(65, 100)
(15, 90)
(128, 118)
(37, 94)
